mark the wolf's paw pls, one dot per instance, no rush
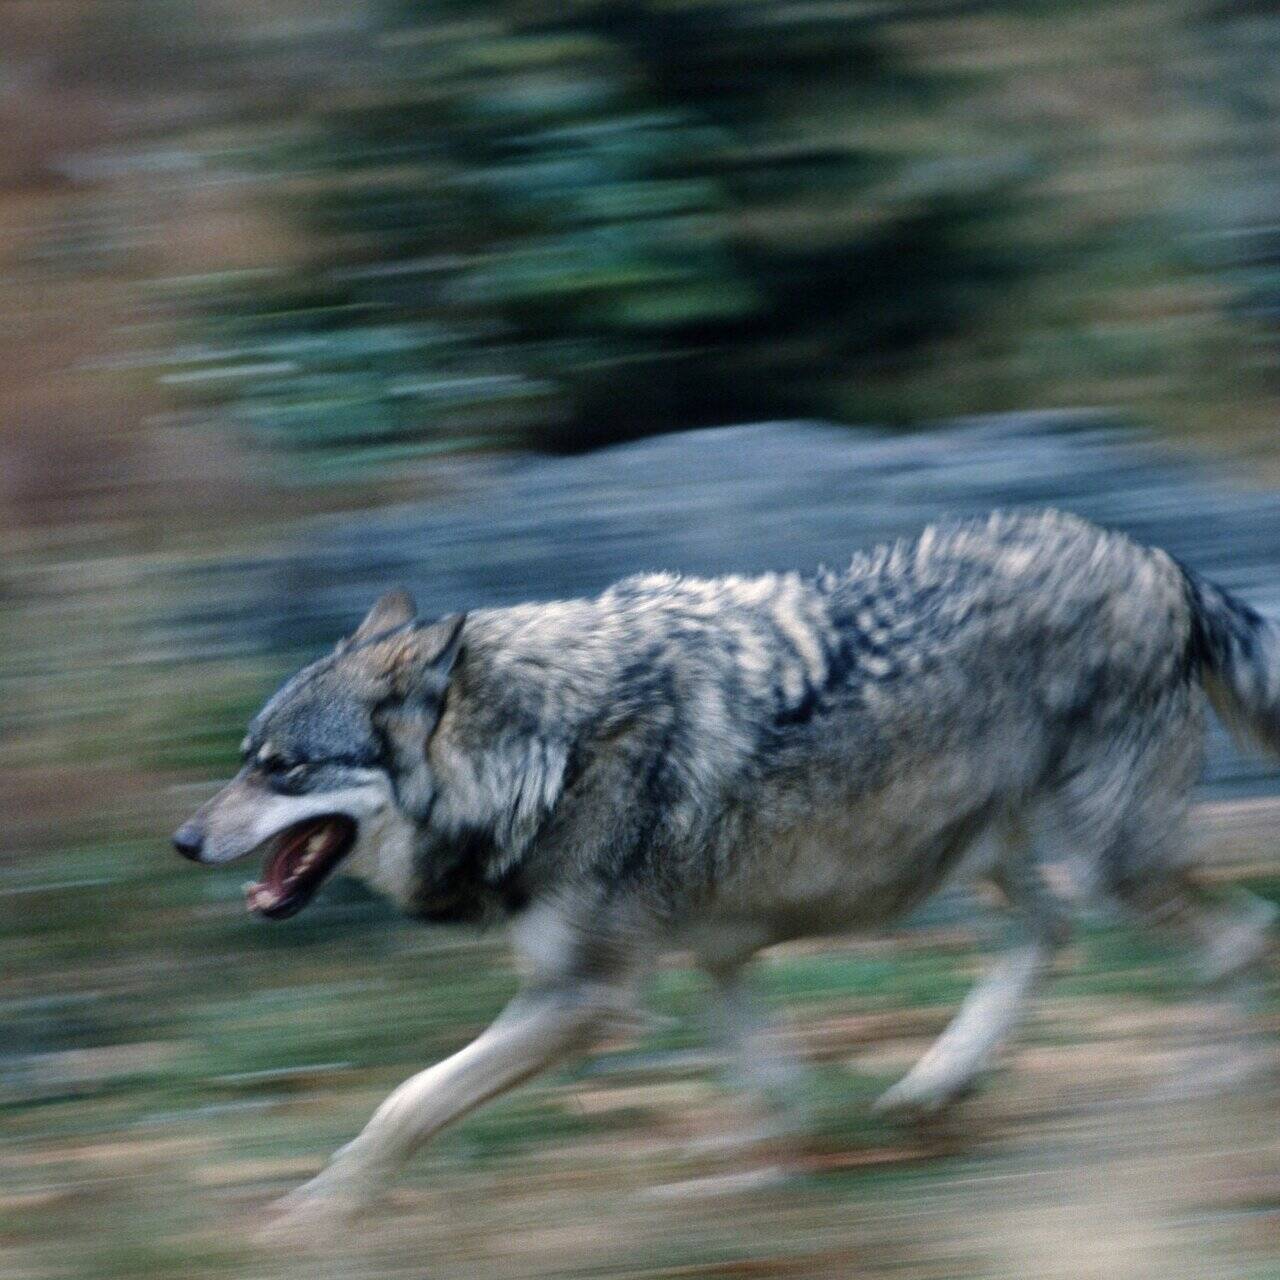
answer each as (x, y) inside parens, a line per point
(316, 1213)
(913, 1099)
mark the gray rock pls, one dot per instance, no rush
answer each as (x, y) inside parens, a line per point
(772, 495)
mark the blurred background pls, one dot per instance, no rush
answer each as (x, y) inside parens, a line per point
(303, 298)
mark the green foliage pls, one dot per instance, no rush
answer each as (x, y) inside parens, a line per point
(624, 218)
(1242, 80)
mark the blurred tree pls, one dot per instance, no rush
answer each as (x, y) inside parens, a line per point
(629, 216)
(1244, 160)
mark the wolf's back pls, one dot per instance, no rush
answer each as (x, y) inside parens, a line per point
(1238, 652)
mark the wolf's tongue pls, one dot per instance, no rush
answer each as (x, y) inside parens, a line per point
(299, 860)
(296, 852)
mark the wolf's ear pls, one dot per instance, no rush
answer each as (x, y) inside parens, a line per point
(425, 662)
(419, 665)
(441, 642)
(395, 609)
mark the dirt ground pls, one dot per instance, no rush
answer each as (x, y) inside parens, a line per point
(1116, 1144)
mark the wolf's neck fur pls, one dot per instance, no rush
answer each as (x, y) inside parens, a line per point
(500, 761)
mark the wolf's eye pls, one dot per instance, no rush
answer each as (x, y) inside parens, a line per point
(287, 775)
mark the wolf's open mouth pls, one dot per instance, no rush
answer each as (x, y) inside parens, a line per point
(298, 861)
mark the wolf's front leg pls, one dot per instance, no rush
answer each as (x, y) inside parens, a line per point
(538, 1027)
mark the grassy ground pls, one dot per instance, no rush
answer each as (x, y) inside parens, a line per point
(169, 1066)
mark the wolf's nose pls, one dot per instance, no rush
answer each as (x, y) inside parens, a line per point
(188, 840)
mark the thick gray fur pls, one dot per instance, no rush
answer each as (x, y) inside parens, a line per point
(723, 764)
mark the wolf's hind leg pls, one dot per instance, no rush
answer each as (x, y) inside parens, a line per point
(1232, 936)
(1130, 822)
(954, 1063)
(1231, 932)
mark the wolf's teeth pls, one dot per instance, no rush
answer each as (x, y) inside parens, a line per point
(315, 844)
(260, 897)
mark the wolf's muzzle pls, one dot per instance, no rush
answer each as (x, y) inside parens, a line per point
(188, 840)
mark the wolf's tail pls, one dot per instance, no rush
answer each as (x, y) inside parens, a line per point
(1238, 653)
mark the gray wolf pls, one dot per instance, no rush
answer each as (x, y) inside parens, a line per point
(720, 765)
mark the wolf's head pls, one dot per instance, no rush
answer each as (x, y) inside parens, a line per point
(335, 765)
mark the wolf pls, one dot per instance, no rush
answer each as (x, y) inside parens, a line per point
(719, 765)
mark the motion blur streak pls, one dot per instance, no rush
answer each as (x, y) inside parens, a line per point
(301, 300)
